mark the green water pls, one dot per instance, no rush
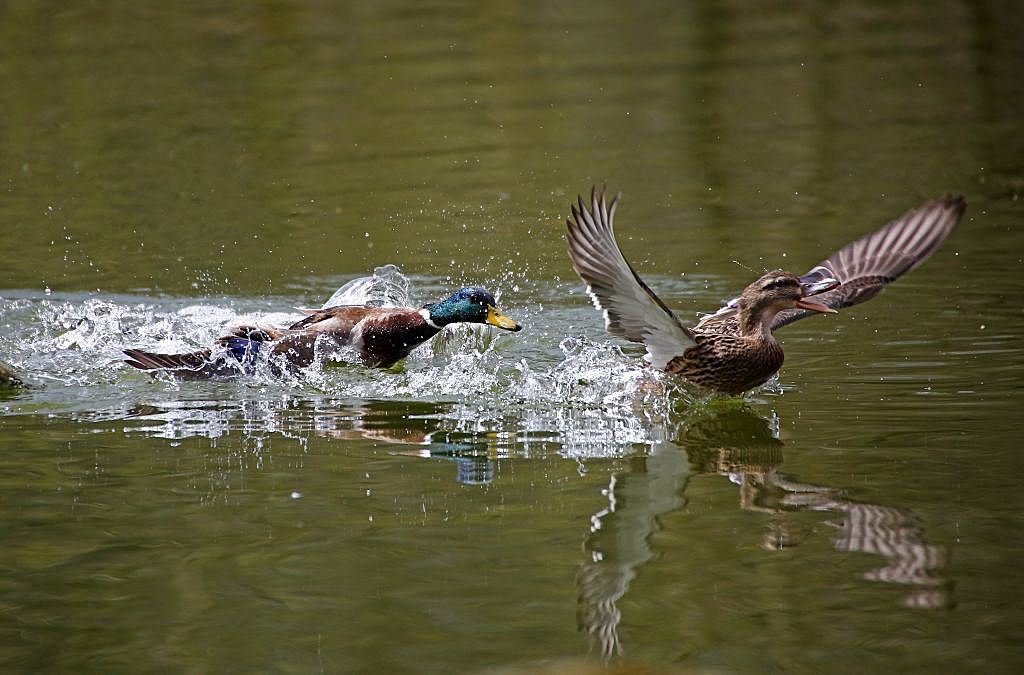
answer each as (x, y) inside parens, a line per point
(513, 500)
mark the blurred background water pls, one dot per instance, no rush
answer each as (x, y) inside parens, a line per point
(520, 500)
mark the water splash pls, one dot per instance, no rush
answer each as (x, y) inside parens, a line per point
(577, 396)
(386, 287)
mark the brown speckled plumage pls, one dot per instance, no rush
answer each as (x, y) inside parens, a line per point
(728, 363)
(734, 350)
(738, 355)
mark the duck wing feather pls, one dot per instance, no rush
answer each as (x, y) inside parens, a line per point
(867, 265)
(631, 309)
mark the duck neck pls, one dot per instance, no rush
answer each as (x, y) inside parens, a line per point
(756, 322)
(435, 323)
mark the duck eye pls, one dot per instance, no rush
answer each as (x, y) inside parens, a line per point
(475, 299)
(777, 283)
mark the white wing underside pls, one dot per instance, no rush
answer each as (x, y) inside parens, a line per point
(631, 309)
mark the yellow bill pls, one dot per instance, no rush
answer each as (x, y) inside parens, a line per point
(496, 318)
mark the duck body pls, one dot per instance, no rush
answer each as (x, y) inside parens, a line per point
(380, 336)
(735, 355)
(734, 349)
(727, 363)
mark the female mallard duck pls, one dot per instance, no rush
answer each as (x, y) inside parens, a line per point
(733, 350)
(381, 336)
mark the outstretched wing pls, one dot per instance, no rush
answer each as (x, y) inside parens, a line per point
(631, 309)
(865, 266)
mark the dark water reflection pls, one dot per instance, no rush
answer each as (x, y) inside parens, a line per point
(527, 500)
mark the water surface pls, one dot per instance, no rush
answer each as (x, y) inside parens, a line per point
(518, 499)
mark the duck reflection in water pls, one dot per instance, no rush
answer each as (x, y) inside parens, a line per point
(745, 448)
(414, 428)
(473, 458)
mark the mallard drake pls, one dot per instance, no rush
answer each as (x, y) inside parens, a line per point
(381, 336)
(734, 350)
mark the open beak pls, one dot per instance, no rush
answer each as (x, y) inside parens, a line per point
(813, 284)
(496, 318)
(804, 303)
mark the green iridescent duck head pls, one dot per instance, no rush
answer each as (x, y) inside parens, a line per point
(469, 305)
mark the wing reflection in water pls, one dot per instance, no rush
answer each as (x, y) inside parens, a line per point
(618, 541)
(895, 534)
(745, 448)
(750, 454)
